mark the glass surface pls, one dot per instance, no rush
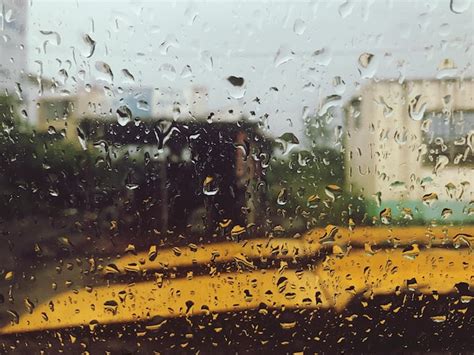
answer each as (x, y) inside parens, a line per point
(243, 176)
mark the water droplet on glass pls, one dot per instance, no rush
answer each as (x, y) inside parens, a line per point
(111, 306)
(126, 73)
(386, 216)
(9, 275)
(206, 59)
(446, 213)
(407, 213)
(104, 68)
(30, 306)
(168, 71)
(365, 59)
(91, 44)
(124, 115)
(322, 56)
(282, 197)
(459, 6)
(299, 26)
(313, 201)
(82, 138)
(152, 253)
(282, 56)
(236, 80)
(438, 319)
(416, 108)
(441, 162)
(345, 9)
(237, 231)
(329, 102)
(209, 186)
(411, 251)
(333, 191)
(447, 69)
(450, 189)
(429, 199)
(288, 140)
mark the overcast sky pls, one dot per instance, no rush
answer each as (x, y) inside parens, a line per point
(268, 44)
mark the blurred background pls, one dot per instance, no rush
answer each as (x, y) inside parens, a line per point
(175, 122)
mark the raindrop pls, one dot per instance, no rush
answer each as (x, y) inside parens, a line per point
(345, 9)
(333, 191)
(323, 56)
(441, 162)
(207, 60)
(411, 252)
(14, 315)
(143, 105)
(299, 26)
(339, 85)
(132, 186)
(82, 138)
(124, 115)
(438, 319)
(459, 6)
(126, 73)
(386, 215)
(186, 72)
(365, 59)
(429, 199)
(9, 275)
(91, 43)
(105, 69)
(282, 56)
(407, 213)
(237, 230)
(329, 235)
(329, 102)
(398, 186)
(446, 213)
(288, 140)
(416, 108)
(450, 189)
(209, 186)
(111, 269)
(30, 306)
(282, 198)
(111, 306)
(236, 80)
(447, 69)
(152, 253)
(463, 238)
(56, 39)
(168, 71)
(313, 201)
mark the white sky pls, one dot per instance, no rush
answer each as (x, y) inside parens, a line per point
(243, 39)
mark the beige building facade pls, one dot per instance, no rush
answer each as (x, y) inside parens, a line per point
(411, 145)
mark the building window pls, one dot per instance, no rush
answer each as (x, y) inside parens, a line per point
(449, 135)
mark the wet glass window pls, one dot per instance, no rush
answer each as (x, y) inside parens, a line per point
(210, 177)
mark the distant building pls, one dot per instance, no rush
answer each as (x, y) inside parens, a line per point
(13, 32)
(61, 114)
(184, 147)
(410, 147)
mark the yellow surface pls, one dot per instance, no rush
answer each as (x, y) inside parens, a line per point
(338, 279)
(309, 244)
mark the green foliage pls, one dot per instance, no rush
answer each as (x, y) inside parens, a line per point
(301, 179)
(41, 173)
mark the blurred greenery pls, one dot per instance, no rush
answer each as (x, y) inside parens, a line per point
(43, 173)
(297, 191)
